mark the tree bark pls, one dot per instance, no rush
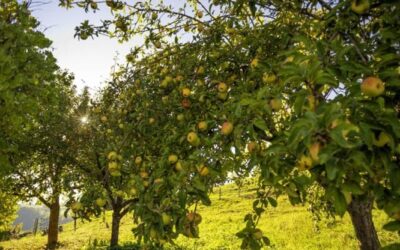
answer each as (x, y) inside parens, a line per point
(52, 235)
(116, 219)
(361, 215)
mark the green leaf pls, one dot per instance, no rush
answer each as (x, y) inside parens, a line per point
(340, 202)
(272, 201)
(261, 124)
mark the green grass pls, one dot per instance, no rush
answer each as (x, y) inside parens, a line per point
(287, 227)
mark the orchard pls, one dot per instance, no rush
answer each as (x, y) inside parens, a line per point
(303, 96)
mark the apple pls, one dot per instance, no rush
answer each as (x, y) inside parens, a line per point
(269, 78)
(194, 217)
(227, 128)
(186, 103)
(186, 92)
(166, 218)
(115, 173)
(179, 166)
(275, 104)
(104, 119)
(144, 174)
(289, 59)
(203, 170)
(199, 14)
(93, 5)
(165, 99)
(314, 151)
(172, 159)
(133, 191)
(360, 6)
(186, 27)
(100, 202)
(222, 96)
(257, 234)
(383, 139)
(202, 126)
(152, 120)
(180, 117)
(200, 70)
(158, 180)
(154, 16)
(254, 63)
(252, 147)
(304, 163)
(76, 206)
(146, 183)
(372, 86)
(153, 233)
(222, 87)
(138, 160)
(112, 156)
(112, 166)
(193, 139)
(121, 126)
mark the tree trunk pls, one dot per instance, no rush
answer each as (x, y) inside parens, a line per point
(52, 235)
(361, 215)
(116, 219)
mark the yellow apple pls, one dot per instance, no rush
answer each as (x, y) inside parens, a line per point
(100, 202)
(222, 96)
(202, 126)
(186, 92)
(200, 70)
(178, 166)
(76, 206)
(138, 160)
(254, 63)
(275, 104)
(104, 118)
(372, 86)
(172, 159)
(112, 156)
(314, 151)
(180, 117)
(269, 78)
(227, 128)
(113, 165)
(152, 120)
(193, 139)
(360, 6)
(134, 191)
(222, 87)
(158, 180)
(203, 170)
(144, 174)
(304, 163)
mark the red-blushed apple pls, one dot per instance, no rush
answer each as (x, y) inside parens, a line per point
(227, 128)
(372, 86)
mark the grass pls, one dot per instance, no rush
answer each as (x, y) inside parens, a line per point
(287, 227)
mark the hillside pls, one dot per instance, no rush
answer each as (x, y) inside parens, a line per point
(288, 227)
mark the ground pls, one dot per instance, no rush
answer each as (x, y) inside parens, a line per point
(287, 227)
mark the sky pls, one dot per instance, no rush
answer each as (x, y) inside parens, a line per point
(90, 60)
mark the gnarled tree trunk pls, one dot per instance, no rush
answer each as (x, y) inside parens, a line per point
(361, 215)
(52, 235)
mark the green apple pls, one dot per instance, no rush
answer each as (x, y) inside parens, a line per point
(112, 156)
(275, 104)
(360, 6)
(203, 170)
(222, 87)
(138, 160)
(257, 234)
(166, 218)
(101, 202)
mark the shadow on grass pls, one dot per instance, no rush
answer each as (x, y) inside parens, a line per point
(394, 246)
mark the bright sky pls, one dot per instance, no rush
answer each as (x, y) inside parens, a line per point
(90, 60)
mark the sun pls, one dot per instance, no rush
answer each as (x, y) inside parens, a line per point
(84, 119)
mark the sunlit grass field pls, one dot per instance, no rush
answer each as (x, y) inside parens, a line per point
(287, 227)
